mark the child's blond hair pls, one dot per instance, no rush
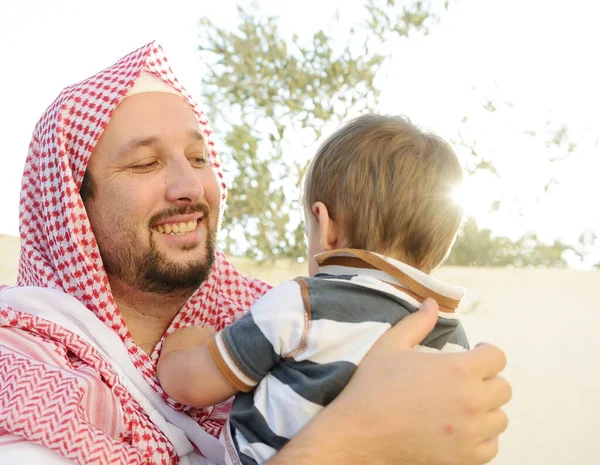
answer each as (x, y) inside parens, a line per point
(389, 186)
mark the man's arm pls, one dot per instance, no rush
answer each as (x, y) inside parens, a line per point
(407, 408)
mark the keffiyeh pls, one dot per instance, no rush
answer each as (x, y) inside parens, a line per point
(56, 390)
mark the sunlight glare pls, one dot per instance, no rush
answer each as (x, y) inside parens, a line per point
(476, 194)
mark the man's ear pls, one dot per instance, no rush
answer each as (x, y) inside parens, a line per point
(330, 231)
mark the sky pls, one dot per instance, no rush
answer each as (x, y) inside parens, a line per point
(534, 60)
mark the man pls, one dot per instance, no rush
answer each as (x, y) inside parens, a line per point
(121, 200)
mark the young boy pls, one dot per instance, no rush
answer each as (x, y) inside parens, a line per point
(380, 217)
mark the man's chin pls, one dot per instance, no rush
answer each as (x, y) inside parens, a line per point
(175, 263)
(183, 253)
(166, 277)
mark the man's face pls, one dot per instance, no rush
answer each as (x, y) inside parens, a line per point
(155, 202)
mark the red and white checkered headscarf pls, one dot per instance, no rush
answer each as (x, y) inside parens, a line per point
(58, 250)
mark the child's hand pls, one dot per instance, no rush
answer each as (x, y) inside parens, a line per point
(187, 338)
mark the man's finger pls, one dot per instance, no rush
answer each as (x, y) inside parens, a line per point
(495, 424)
(487, 360)
(497, 392)
(487, 450)
(415, 327)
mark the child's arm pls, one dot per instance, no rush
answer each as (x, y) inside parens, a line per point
(187, 371)
(237, 358)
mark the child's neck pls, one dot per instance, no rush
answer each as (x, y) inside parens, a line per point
(401, 256)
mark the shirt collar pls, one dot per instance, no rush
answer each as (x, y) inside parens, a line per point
(410, 280)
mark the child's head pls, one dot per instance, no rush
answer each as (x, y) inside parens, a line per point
(381, 184)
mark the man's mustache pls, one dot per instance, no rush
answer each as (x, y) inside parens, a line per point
(176, 211)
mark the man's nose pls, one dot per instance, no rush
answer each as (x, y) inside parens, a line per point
(182, 183)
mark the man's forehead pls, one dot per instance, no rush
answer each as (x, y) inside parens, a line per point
(147, 120)
(192, 136)
(139, 115)
(150, 103)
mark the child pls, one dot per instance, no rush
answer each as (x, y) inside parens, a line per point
(380, 217)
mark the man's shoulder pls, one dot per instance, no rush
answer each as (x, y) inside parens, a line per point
(44, 385)
(30, 330)
(30, 358)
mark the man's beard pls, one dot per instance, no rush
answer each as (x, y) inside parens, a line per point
(151, 271)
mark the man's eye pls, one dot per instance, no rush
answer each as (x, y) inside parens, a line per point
(199, 162)
(144, 167)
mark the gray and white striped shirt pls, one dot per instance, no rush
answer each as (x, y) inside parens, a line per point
(299, 345)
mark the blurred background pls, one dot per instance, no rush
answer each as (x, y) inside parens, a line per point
(512, 85)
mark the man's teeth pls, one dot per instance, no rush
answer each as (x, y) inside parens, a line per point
(177, 228)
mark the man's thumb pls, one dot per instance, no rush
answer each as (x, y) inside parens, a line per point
(416, 326)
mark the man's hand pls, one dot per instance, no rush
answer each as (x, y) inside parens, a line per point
(187, 338)
(404, 407)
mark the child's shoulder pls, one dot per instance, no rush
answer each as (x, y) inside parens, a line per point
(324, 286)
(338, 287)
(329, 281)
(281, 295)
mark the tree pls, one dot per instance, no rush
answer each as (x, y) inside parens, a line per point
(263, 87)
(478, 247)
(553, 144)
(272, 94)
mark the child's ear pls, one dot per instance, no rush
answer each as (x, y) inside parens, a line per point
(328, 227)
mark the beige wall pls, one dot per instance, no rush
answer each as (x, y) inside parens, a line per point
(546, 321)
(9, 259)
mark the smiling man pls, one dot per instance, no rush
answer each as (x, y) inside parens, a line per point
(122, 197)
(158, 242)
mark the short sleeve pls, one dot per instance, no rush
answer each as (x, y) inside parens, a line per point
(248, 349)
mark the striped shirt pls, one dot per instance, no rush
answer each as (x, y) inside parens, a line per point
(296, 349)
